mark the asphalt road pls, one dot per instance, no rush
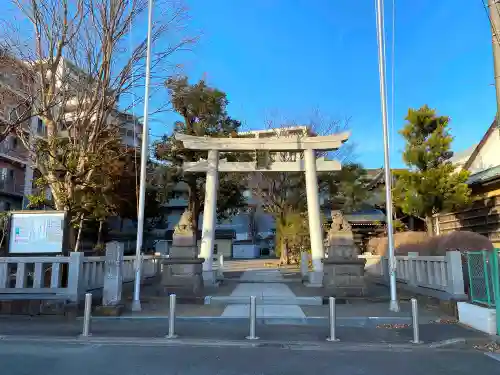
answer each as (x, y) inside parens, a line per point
(42, 358)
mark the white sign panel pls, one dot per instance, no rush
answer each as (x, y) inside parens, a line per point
(36, 232)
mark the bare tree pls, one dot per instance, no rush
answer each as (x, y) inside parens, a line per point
(283, 194)
(83, 56)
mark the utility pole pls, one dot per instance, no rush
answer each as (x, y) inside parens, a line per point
(494, 6)
(394, 305)
(136, 302)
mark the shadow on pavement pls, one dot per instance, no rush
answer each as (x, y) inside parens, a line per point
(206, 330)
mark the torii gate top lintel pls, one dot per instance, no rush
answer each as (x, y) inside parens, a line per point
(325, 143)
(309, 164)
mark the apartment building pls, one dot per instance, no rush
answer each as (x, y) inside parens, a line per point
(130, 128)
(14, 86)
(16, 172)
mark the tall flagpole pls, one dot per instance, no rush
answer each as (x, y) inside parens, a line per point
(136, 303)
(394, 305)
(494, 15)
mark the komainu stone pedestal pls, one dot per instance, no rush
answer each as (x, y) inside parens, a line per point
(182, 272)
(184, 278)
(343, 271)
(344, 277)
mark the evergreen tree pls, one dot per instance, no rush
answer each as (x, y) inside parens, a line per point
(203, 112)
(431, 184)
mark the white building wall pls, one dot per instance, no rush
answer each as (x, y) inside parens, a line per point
(489, 155)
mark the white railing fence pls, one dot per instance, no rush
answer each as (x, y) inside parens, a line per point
(40, 275)
(69, 277)
(440, 273)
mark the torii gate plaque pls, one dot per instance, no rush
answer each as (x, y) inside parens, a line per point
(310, 165)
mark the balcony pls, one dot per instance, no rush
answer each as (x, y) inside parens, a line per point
(17, 154)
(11, 187)
(12, 83)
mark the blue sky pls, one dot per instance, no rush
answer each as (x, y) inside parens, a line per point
(288, 58)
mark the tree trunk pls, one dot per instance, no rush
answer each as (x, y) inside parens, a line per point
(57, 191)
(284, 257)
(79, 235)
(195, 211)
(99, 233)
(282, 250)
(411, 223)
(194, 206)
(429, 225)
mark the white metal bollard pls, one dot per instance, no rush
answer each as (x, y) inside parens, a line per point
(333, 320)
(221, 262)
(171, 317)
(415, 323)
(220, 269)
(86, 315)
(253, 316)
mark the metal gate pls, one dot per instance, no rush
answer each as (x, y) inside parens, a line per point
(484, 279)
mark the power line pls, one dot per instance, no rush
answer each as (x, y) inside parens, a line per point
(492, 24)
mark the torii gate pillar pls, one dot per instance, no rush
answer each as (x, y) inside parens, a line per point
(310, 166)
(210, 215)
(314, 214)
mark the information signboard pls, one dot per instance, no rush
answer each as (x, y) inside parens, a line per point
(36, 232)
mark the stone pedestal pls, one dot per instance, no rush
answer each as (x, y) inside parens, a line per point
(182, 271)
(315, 279)
(343, 270)
(344, 277)
(183, 277)
(304, 264)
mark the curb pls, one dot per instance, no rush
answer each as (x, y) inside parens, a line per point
(237, 300)
(290, 345)
(494, 356)
(449, 342)
(370, 321)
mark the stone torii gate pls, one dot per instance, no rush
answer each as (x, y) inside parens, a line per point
(310, 165)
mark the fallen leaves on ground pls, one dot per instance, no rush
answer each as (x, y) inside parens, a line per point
(492, 347)
(393, 326)
(446, 321)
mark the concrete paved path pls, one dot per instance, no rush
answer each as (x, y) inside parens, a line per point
(263, 284)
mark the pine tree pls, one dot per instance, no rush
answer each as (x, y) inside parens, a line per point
(431, 184)
(203, 112)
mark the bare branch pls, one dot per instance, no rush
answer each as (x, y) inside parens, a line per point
(76, 62)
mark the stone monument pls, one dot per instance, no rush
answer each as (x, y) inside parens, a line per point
(182, 272)
(343, 270)
(112, 304)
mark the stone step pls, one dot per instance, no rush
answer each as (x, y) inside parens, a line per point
(264, 300)
(283, 281)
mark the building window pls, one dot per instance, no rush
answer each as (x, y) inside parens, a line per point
(215, 249)
(40, 127)
(12, 114)
(3, 174)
